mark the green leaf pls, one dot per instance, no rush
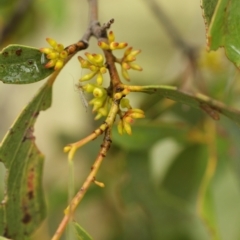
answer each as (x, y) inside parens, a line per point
(21, 65)
(185, 174)
(23, 208)
(208, 214)
(144, 136)
(208, 7)
(81, 233)
(223, 30)
(197, 100)
(149, 211)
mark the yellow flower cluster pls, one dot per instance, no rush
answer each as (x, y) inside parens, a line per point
(100, 101)
(111, 45)
(129, 55)
(56, 54)
(95, 63)
(127, 119)
(127, 62)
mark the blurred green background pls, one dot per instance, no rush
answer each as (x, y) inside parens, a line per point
(155, 178)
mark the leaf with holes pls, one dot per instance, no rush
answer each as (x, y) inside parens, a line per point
(223, 21)
(21, 65)
(23, 207)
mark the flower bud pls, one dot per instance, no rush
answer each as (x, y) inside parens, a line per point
(58, 65)
(135, 66)
(118, 95)
(51, 63)
(103, 45)
(56, 54)
(111, 36)
(88, 76)
(98, 92)
(52, 42)
(127, 127)
(93, 68)
(103, 110)
(128, 119)
(59, 47)
(114, 45)
(125, 103)
(125, 91)
(90, 57)
(135, 53)
(126, 66)
(99, 79)
(67, 149)
(98, 116)
(98, 58)
(97, 103)
(63, 54)
(103, 70)
(46, 50)
(120, 127)
(137, 115)
(125, 74)
(122, 45)
(127, 51)
(130, 58)
(88, 88)
(84, 63)
(53, 55)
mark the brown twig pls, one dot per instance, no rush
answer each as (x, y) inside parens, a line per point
(98, 31)
(93, 11)
(91, 178)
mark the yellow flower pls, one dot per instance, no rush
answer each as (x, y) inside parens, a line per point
(95, 63)
(127, 119)
(111, 45)
(56, 54)
(100, 101)
(127, 62)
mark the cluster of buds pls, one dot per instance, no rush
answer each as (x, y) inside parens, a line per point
(127, 118)
(95, 63)
(100, 101)
(127, 62)
(111, 45)
(56, 54)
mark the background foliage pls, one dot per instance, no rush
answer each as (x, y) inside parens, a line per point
(155, 179)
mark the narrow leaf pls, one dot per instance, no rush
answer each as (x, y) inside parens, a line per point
(197, 100)
(81, 233)
(21, 65)
(23, 208)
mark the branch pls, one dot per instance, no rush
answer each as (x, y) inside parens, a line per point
(91, 178)
(93, 11)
